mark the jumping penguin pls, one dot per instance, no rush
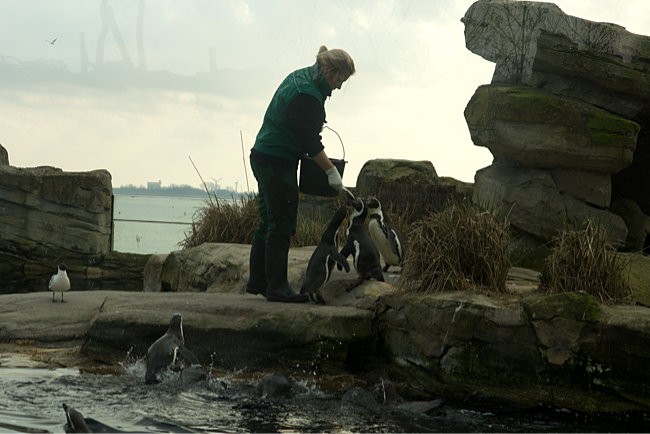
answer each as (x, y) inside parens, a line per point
(360, 245)
(388, 240)
(324, 257)
(166, 350)
(59, 282)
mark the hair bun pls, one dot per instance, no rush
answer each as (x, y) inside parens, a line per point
(322, 49)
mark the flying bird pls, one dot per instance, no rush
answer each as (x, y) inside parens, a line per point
(53, 41)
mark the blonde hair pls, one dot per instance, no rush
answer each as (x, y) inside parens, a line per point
(336, 59)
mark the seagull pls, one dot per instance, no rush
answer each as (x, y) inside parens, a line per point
(53, 41)
(59, 282)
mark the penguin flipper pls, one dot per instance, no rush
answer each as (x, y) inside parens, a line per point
(341, 261)
(188, 355)
(346, 251)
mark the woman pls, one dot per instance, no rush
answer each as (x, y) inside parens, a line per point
(290, 130)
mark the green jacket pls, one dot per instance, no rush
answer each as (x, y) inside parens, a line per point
(276, 136)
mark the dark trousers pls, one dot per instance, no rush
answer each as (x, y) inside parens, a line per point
(277, 196)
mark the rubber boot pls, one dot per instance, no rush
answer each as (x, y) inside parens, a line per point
(257, 276)
(278, 289)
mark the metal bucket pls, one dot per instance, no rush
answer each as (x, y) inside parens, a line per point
(314, 181)
(312, 178)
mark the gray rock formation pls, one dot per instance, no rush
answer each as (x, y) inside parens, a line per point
(48, 216)
(378, 171)
(563, 350)
(568, 103)
(4, 156)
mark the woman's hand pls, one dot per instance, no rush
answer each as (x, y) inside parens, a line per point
(334, 178)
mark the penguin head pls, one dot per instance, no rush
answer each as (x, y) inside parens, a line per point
(373, 204)
(176, 325)
(359, 210)
(62, 266)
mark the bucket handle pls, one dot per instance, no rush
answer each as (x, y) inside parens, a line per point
(341, 140)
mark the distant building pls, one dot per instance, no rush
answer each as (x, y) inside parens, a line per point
(154, 185)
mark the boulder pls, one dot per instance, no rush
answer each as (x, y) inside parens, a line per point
(533, 128)
(234, 331)
(636, 222)
(632, 182)
(489, 24)
(536, 206)
(569, 96)
(4, 156)
(224, 268)
(207, 267)
(594, 188)
(378, 171)
(558, 350)
(151, 273)
(47, 212)
(639, 275)
(48, 216)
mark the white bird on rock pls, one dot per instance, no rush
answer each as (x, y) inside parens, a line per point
(59, 282)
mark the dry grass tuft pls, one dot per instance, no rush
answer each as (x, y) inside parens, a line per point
(234, 221)
(223, 221)
(583, 260)
(461, 247)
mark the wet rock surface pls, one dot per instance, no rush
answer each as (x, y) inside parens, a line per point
(523, 347)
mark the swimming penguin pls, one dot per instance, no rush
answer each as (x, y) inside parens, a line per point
(388, 240)
(59, 282)
(322, 260)
(166, 349)
(75, 421)
(360, 245)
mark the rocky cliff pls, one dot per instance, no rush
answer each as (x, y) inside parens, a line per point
(565, 117)
(48, 216)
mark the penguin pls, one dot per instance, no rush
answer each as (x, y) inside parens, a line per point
(365, 255)
(388, 240)
(75, 421)
(319, 268)
(59, 282)
(166, 349)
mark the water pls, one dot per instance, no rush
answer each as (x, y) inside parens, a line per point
(152, 224)
(31, 401)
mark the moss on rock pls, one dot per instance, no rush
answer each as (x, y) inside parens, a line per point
(571, 305)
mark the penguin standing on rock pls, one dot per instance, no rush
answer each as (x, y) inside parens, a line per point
(364, 253)
(322, 260)
(388, 240)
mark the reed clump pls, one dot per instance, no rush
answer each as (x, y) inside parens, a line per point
(223, 221)
(582, 259)
(462, 247)
(235, 220)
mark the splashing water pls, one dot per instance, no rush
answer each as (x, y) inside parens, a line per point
(31, 401)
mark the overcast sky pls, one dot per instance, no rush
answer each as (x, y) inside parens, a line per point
(414, 78)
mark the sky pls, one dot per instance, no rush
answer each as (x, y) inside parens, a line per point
(192, 89)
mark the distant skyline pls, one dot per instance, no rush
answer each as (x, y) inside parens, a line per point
(137, 87)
